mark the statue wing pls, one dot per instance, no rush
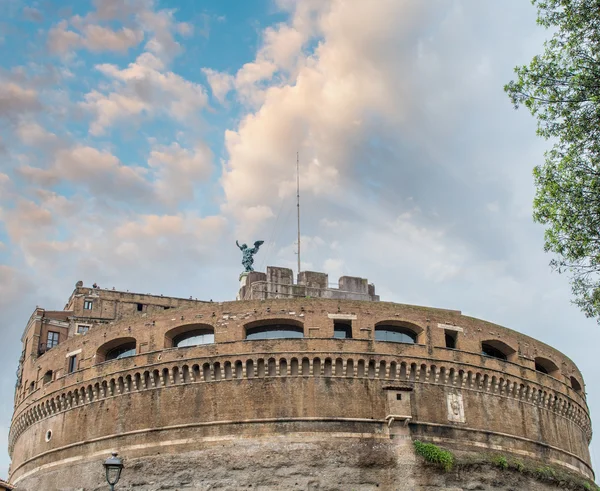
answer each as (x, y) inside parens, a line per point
(258, 243)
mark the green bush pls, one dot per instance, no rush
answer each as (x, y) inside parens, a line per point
(545, 473)
(500, 461)
(434, 454)
(518, 465)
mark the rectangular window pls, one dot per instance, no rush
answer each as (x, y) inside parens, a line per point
(81, 329)
(87, 304)
(140, 307)
(52, 340)
(72, 363)
(342, 330)
(450, 337)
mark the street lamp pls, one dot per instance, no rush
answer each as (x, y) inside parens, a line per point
(113, 466)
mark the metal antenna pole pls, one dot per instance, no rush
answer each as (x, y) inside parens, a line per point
(298, 204)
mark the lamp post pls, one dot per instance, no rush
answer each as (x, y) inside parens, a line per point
(113, 466)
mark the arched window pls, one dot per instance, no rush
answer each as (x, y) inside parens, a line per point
(48, 377)
(496, 349)
(280, 329)
(396, 332)
(544, 365)
(116, 349)
(575, 384)
(122, 351)
(194, 338)
(189, 335)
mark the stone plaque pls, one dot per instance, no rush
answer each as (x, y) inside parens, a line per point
(456, 408)
(450, 327)
(345, 317)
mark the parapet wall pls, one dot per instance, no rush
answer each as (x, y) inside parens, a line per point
(316, 388)
(279, 283)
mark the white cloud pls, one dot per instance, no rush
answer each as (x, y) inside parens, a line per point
(107, 10)
(61, 40)
(25, 220)
(102, 172)
(98, 38)
(92, 32)
(162, 25)
(33, 134)
(179, 169)
(169, 179)
(16, 100)
(32, 14)
(220, 83)
(143, 88)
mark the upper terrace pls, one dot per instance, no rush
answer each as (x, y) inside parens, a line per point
(279, 283)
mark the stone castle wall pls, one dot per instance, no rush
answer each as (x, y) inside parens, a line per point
(365, 398)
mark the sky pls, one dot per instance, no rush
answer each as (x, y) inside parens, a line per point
(140, 138)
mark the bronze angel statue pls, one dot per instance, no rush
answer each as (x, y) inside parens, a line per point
(247, 258)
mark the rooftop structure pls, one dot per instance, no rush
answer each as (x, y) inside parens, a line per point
(279, 283)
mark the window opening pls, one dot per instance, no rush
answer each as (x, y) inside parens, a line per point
(48, 377)
(398, 397)
(194, 338)
(575, 384)
(395, 334)
(72, 363)
(87, 304)
(488, 350)
(123, 351)
(31, 386)
(450, 337)
(52, 340)
(274, 331)
(81, 329)
(544, 365)
(140, 307)
(342, 330)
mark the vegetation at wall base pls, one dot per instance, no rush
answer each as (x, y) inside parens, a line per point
(435, 455)
(544, 473)
(561, 89)
(501, 462)
(446, 460)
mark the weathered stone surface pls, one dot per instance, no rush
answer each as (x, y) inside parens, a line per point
(274, 465)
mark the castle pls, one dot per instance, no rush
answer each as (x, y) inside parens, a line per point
(294, 385)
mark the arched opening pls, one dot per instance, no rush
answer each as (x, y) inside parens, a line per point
(274, 329)
(189, 335)
(544, 365)
(575, 384)
(194, 338)
(397, 332)
(496, 349)
(48, 377)
(116, 349)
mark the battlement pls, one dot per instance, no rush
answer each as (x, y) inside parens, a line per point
(279, 283)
